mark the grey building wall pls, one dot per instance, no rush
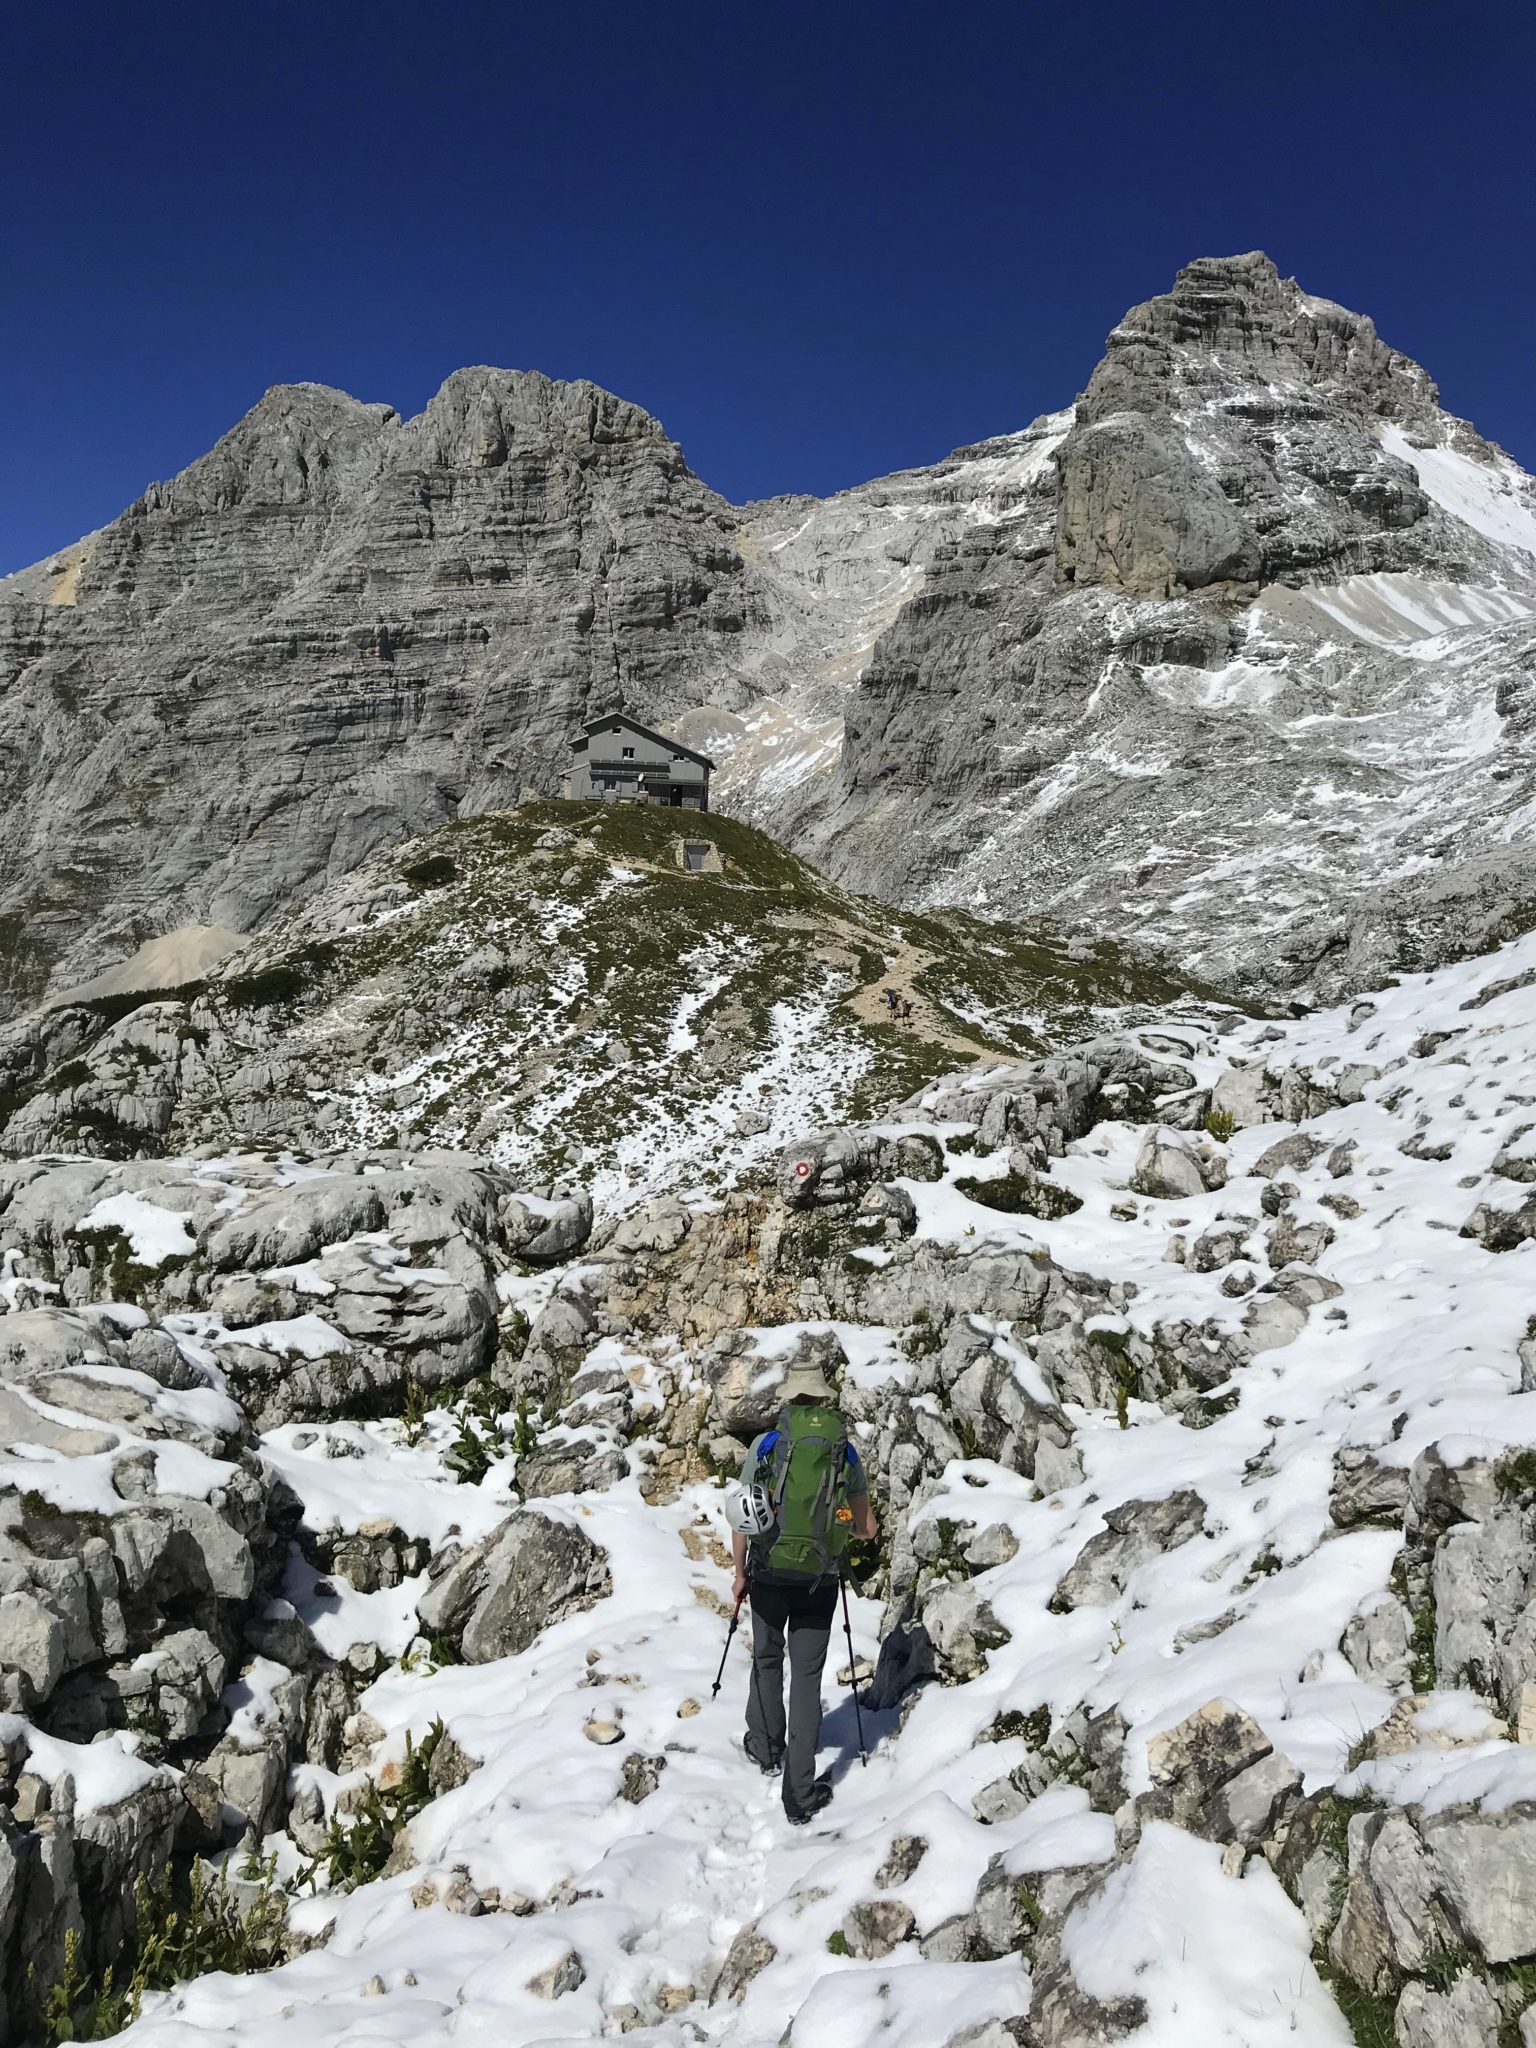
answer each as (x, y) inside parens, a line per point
(617, 759)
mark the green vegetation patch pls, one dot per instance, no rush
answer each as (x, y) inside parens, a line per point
(357, 1849)
(1413, 1585)
(111, 1009)
(1370, 2019)
(284, 981)
(73, 1074)
(1020, 1194)
(183, 1927)
(113, 1265)
(436, 871)
(1515, 1475)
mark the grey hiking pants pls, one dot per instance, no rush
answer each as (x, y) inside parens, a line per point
(803, 1615)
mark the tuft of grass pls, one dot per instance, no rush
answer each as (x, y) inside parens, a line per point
(924, 1338)
(357, 1850)
(1516, 1475)
(1033, 1727)
(1415, 1588)
(182, 1928)
(1370, 2019)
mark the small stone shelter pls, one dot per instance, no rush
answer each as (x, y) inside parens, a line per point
(616, 761)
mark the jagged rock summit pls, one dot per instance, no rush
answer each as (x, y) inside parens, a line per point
(1252, 622)
(1228, 436)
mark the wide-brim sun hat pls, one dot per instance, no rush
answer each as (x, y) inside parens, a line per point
(806, 1382)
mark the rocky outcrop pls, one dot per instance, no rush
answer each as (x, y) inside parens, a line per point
(746, 1369)
(1139, 512)
(1217, 1775)
(158, 1685)
(317, 1289)
(839, 1165)
(1135, 1532)
(149, 1537)
(1174, 477)
(497, 1597)
(1172, 1169)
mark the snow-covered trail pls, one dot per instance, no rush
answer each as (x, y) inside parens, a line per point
(1417, 1119)
(650, 1895)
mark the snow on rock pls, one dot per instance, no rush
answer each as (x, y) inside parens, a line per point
(1209, 1496)
(154, 1234)
(1206, 1955)
(1492, 496)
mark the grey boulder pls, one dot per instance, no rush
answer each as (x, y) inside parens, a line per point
(498, 1597)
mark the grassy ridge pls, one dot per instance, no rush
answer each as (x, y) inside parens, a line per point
(550, 985)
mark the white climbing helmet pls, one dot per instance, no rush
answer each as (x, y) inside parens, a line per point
(749, 1510)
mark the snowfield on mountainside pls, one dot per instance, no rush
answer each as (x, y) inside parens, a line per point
(1306, 1340)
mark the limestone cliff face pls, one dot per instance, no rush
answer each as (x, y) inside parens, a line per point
(334, 629)
(1242, 676)
(1233, 658)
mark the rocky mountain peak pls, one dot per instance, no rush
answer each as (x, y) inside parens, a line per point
(299, 444)
(483, 417)
(1230, 436)
(341, 627)
(1264, 612)
(1233, 320)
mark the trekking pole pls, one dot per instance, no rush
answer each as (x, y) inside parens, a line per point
(853, 1679)
(730, 1632)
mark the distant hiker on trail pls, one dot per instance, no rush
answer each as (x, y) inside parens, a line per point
(906, 1010)
(803, 1495)
(891, 1000)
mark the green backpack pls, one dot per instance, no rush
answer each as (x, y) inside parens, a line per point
(804, 1462)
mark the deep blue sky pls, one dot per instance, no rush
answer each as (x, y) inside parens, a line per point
(819, 240)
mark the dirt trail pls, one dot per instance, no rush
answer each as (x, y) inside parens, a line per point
(903, 964)
(927, 1020)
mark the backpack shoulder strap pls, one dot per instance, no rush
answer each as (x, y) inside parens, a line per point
(775, 1452)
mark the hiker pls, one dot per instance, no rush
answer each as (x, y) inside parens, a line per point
(890, 1001)
(803, 1494)
(906, 1010)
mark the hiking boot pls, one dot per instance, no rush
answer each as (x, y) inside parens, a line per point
(819, 1801)
(769, 1766)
